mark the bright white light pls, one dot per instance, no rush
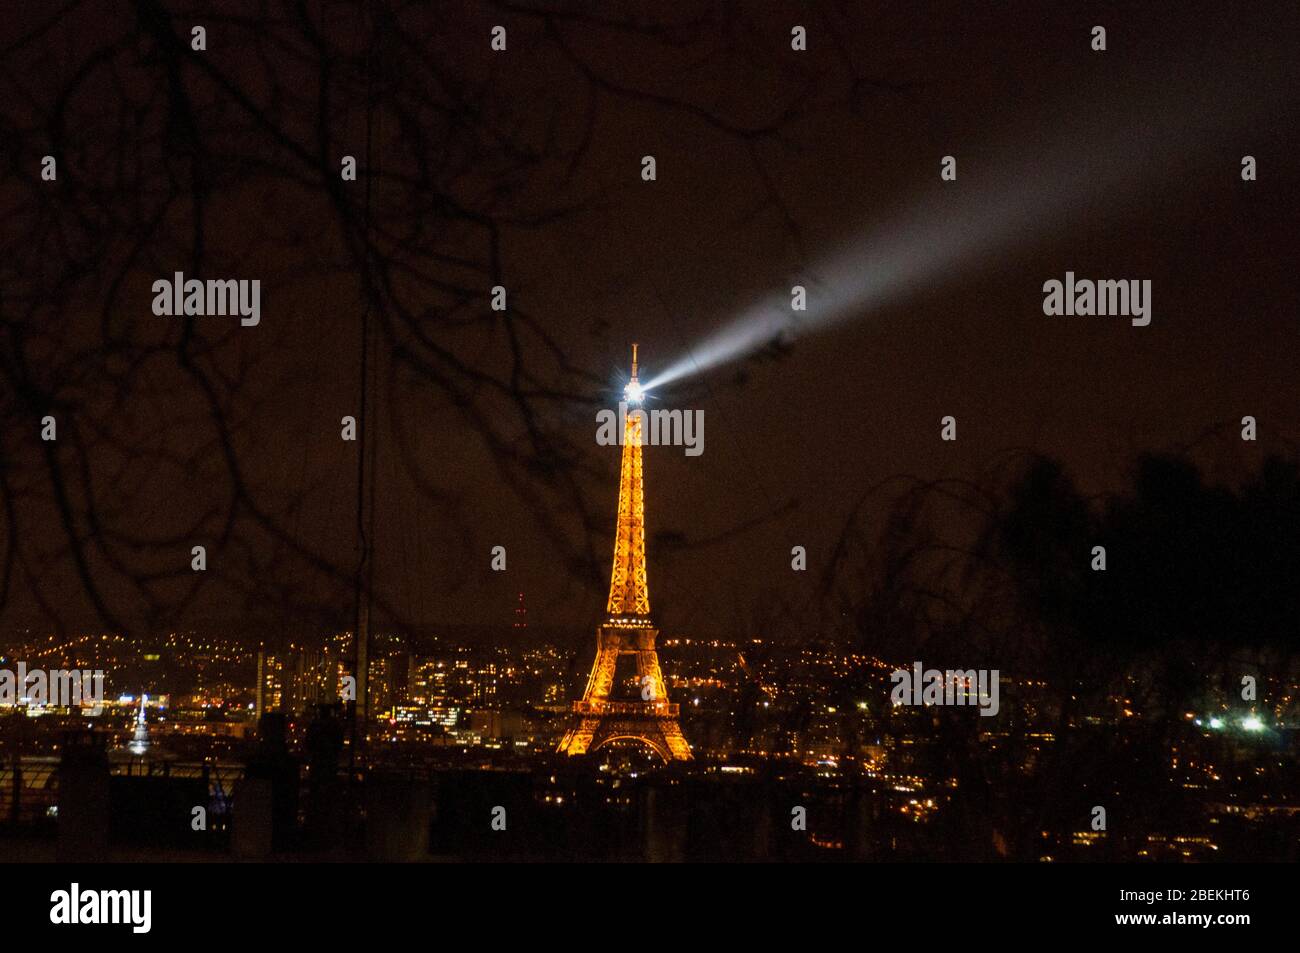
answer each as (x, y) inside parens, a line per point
(1216, 723)
(930, 240)
(633, 392)
(1252, 723)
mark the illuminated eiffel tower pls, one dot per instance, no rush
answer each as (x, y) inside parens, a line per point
(597, 719)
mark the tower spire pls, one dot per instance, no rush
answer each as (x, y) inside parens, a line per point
(629, 592)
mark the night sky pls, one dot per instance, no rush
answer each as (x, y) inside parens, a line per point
(523, 168)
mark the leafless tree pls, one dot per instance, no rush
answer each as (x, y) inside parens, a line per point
(226, 160)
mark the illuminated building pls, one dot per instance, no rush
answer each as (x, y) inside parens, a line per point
(296, 680)
(628, 630)
(383, 688)
(270, 683)
(427, 681)
(428, 689)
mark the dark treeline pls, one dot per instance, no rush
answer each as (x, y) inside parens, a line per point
(1197, 596)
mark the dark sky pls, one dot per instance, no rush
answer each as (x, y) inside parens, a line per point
(522, 168)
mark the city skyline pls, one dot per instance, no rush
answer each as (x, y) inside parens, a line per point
(364, 367)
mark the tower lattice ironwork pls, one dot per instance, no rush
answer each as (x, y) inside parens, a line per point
(628, 630)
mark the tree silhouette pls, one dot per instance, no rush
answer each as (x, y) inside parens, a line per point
(227, 161)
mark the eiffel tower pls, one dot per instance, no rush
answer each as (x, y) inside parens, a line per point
(628, 630)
